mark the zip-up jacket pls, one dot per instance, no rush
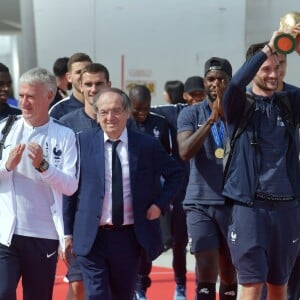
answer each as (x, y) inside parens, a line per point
(61, 175)
(241, 181)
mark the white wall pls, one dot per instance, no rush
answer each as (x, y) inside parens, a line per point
(160, 40)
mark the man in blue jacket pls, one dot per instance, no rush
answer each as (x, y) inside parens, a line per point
(111, 225)
(293, 283)
(262, 178)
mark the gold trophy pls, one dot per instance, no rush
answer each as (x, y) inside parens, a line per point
(287, 42)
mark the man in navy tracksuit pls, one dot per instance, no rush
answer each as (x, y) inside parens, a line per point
(156, 125)
(293, 283)
(262, 177)
(76, 63)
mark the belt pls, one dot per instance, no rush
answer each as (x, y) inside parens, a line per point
(268, 197)
(114, 227)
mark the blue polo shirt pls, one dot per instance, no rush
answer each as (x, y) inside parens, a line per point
(206, 171)
(78, 120)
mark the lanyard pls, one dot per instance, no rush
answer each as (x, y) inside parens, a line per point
(218, 135)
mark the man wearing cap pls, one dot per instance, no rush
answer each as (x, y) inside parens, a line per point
(194, 91)
(201, 133)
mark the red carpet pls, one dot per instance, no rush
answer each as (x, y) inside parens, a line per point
(162, 287)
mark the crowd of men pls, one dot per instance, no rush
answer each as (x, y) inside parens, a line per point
(109, 181)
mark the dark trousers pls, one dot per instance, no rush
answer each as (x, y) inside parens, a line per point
(179, 243)
(110, 269)
(293, 290)
(180, 240)
(33, 259)
(294, 281)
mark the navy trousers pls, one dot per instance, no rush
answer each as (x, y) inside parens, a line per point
(294, 281)
(179, 243)
(110, 269)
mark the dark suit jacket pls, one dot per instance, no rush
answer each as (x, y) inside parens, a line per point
(147, 162)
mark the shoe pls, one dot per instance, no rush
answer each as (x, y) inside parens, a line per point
(140, 295)
(179, 293)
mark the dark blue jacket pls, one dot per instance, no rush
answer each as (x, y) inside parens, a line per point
(9, 110)
(241, 181)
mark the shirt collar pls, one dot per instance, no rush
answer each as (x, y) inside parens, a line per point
(123, 137)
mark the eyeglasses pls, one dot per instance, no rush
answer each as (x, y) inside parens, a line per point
(116, 112)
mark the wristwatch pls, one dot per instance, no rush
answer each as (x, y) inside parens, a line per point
(44, 165)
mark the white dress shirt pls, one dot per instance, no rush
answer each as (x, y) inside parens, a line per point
(122, 150)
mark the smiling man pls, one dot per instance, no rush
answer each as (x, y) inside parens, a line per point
(38, 165)
(110, 224)
(263, 175)
(75, 64)
(93, 78)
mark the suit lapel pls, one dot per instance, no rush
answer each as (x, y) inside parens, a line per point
(97, 152)
(133, 151)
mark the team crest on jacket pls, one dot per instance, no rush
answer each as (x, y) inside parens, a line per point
(233, 236)
(57, 155)
(156, 132)
(56, 151)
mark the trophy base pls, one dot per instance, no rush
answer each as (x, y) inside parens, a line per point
(285, 43)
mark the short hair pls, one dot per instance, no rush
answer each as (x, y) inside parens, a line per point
(124, 98)
(40, 76)
(140, 93)
(60, 66)
(4, 68)
(95, 68)
(77, 57)
(254, 48)
(175, 89)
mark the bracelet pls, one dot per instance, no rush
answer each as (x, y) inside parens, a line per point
(211, 123)
(270, 49)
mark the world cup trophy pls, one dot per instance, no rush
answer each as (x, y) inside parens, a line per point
(287, 42)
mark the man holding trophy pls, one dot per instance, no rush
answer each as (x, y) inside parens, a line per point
(262, 178)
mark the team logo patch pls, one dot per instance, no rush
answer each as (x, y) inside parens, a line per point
(57, 155)
(156, 132)
(233, 236)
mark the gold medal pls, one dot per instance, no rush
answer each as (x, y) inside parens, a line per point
(219, 153)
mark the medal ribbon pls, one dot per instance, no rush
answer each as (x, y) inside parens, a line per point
(218, 135)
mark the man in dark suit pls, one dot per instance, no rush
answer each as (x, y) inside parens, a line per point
(109, 251)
